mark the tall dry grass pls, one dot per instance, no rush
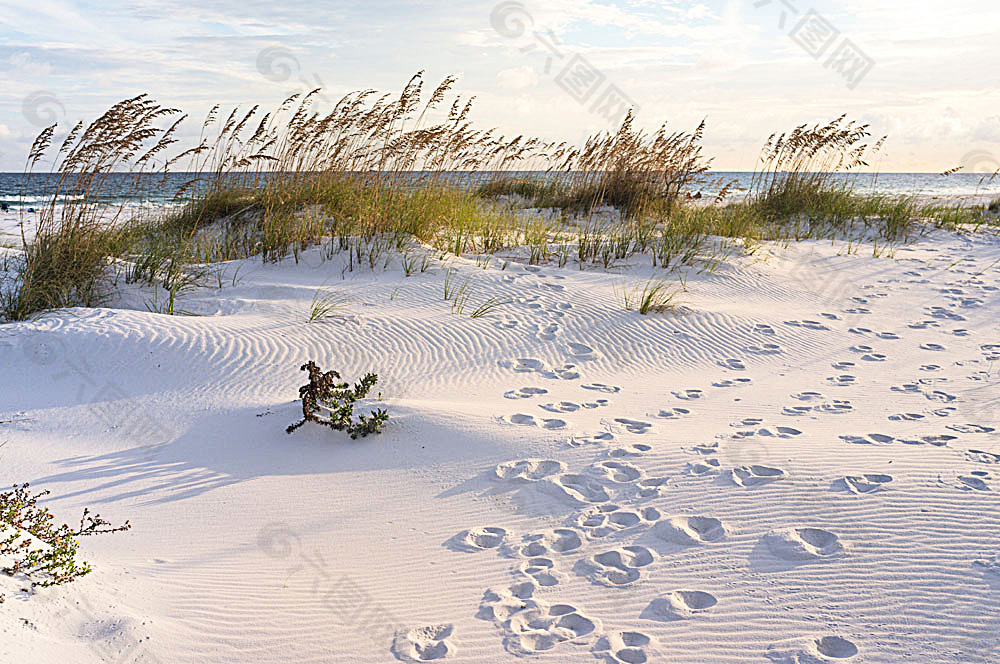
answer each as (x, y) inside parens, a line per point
(79, 231)
(375, 172)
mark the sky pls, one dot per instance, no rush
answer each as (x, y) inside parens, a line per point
(924, 72)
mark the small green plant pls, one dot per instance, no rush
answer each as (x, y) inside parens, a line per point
(30, 543)
(326, 305)
(654, 298)
(329, 402)
(489, 306)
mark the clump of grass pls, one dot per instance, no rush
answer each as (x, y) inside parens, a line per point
(326, 305)
(331, 403)
(798, 173)
(638, 173)
(31, 544)
(655, 297)
(489, 306)
(64, 264)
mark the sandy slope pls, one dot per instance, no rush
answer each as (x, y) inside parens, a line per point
(799, 467)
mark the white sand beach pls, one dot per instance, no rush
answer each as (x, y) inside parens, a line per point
(800, 464)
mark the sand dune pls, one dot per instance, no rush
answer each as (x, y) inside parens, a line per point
(800, 465)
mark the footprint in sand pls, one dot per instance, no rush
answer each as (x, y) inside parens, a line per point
(624, 648)
(736, 382)
(525, 393)
(936, 347)
(970, 428)
(755, 475)
(980, 456)
(906, 417)
(764, 349)
(673, 413)
(842, 366)
(942, 313)
(679, 605)
(762, 328)
(688, 395)
(542, 571)
(835, 407)
(778, 432)
(601, 387)
(703, 467)
(529, 365)
(528, 470)
(650, 487)
(938, 440)
(617, 472)
(636, 450)
(866, 483)
(870, 439)
(796, 410)
(561, 407)
(548, 543)
(581, 351)
(843, 380)
(803, 543)
(532, 626)
(602, 438)
(424, 644)
(974, 481)
(811, 650)
(549, 332)
(690, 530)
(524, 419)
(808, 324)
(989, 564)
(873, 357)
(603, 520)
(634, 426)
(938, 395)
(732, 363)
(480, 539)
(580, 488)
(618, 567)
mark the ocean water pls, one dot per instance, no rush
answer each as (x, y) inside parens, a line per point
(21, 193)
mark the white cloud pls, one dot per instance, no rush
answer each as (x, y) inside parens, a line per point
(517, 78)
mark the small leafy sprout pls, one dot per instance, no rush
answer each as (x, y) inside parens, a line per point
(30, 543)
(331, 403)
